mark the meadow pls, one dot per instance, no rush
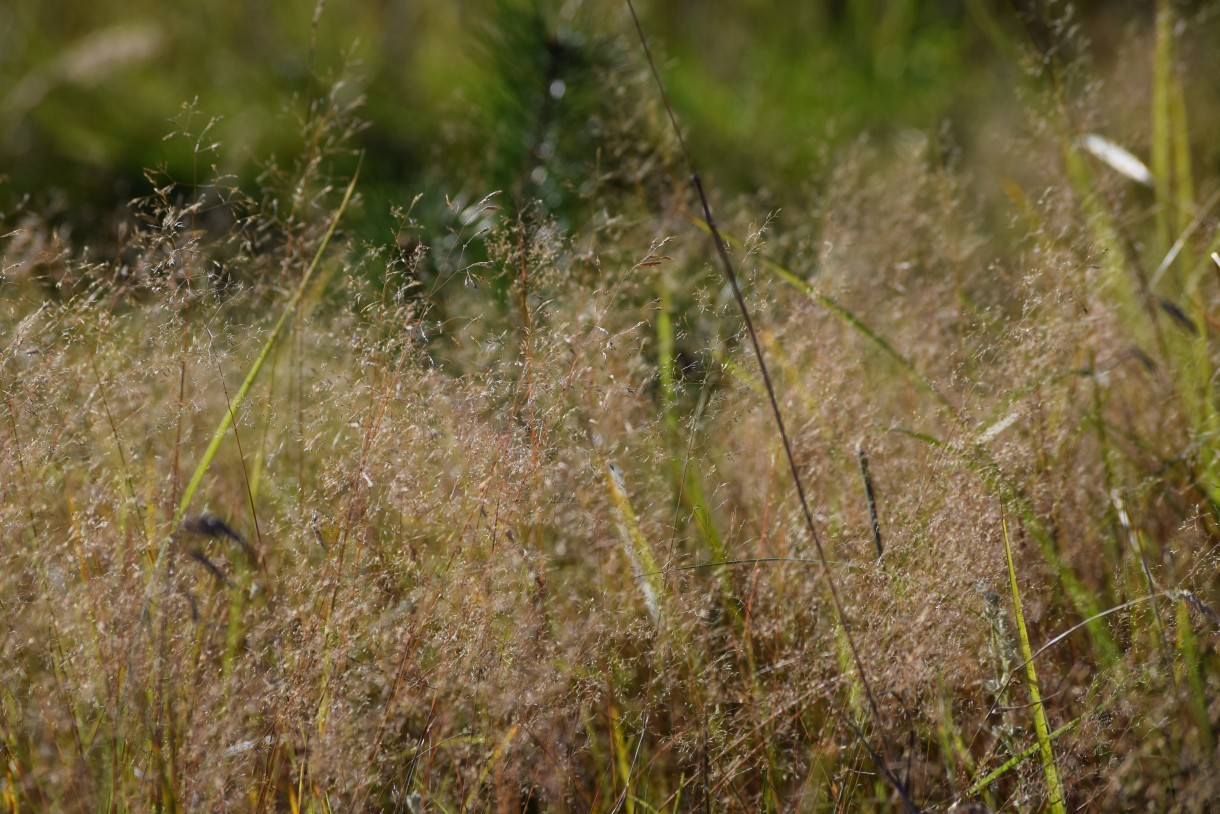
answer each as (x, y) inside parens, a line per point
(447, 477)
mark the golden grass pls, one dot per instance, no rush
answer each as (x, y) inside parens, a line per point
(522, 534)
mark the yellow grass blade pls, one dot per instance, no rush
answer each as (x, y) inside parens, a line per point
(1056, 802)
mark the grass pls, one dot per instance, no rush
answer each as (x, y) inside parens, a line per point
(1056, 801)
(495, 515)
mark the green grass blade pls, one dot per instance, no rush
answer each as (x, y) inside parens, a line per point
(1162, 136)
(639, 551)
(1196, 677)
(1016, 760)
(226, 422)
(1183, 172)
(846, 316)
(686, 477)
(1056, 801)
(622, 760)
(1082, 599)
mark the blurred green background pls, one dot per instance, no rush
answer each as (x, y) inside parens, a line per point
(542, 100)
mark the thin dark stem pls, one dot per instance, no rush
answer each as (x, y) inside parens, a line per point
(731, 275)
(870, 496)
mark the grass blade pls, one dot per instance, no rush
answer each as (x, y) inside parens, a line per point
(1082, 599)
(1195, 675)
(1016, 760)
(846, 316)
(639, 551)
(1056, 803)
(226, 422)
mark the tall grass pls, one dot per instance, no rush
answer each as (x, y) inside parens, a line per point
(498, 518)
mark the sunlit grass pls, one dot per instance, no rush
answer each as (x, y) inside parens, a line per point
(496, 517)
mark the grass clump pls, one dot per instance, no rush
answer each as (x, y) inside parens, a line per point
(496, 517)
